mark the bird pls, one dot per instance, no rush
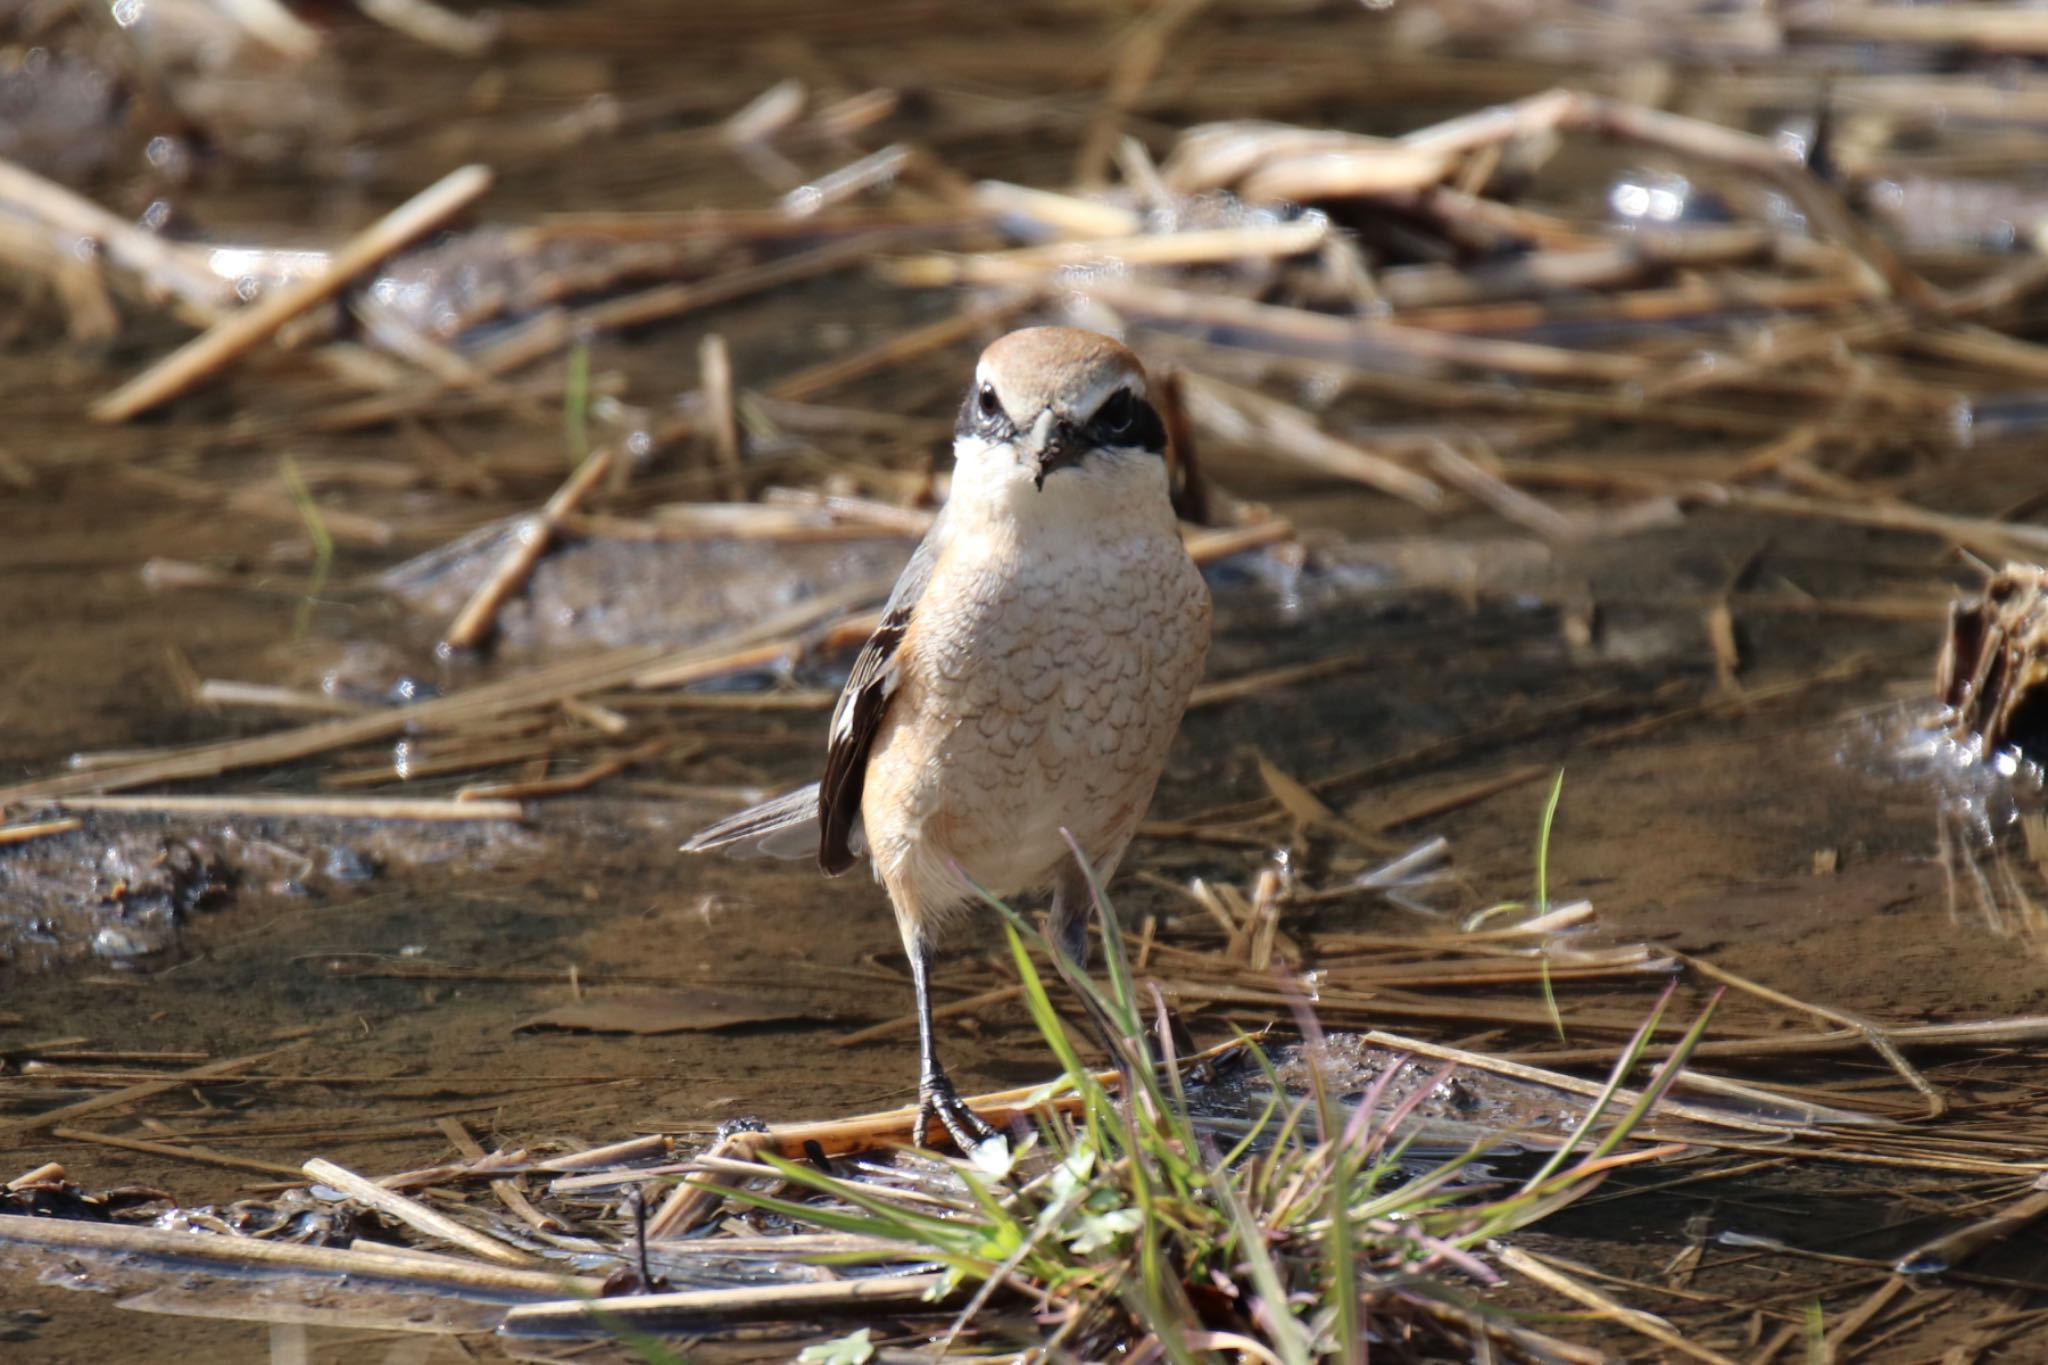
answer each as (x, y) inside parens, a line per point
(1026, 679)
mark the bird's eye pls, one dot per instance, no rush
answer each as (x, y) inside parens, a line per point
(986, 402)
(1119, 415)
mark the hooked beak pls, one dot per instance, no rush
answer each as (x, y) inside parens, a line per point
(1053, 444)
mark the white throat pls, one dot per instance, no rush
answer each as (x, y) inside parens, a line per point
(995, 483)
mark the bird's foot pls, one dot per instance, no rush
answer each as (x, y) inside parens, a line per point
(936, 1098)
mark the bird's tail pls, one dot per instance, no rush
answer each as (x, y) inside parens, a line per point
(786, 827)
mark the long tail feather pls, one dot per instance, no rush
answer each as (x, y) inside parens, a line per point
(786, 827)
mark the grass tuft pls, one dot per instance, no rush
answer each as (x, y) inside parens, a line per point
(1140, 1232)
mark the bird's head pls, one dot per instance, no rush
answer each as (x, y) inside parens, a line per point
(1057, 407)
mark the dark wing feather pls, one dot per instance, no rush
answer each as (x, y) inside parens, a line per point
(862, 704)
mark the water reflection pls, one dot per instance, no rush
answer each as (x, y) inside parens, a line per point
(1990, 818)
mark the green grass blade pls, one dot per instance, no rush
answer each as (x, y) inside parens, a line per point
(1343, 1258)
(856, 1194)
(1543, 845)
(1660, 1083)
(1287, 1337)
(1550, 999)
(576, 403)
(1040, 1006)
(1630, 1056)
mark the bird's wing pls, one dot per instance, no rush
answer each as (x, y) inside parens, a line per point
(862, 704)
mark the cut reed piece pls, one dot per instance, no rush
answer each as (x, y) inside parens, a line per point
(1208, 547)
(1878, 1037)
(1969, 1034)
(115, 1099)
(757, 648)
(251, 1253)
(1644, 252)
(1951, 1249)
(465, 35)
(1366, 344)
(1247, 418)
(1512, 504)
(611, 1154)
(1265, 162)
(1049, 211)
(1983, 534)
(170, 267)
(657, 1312)
(563, 784)
(199, 358)
(604, 671)
(507, 1190)
(268, 696)
(302, 807)
(876, 169)
(1204, 246)
(413, 1214)
(550, 331)
(203, 1156)
(737, 521)
(474, 623)
(36, 829)
(714, 379)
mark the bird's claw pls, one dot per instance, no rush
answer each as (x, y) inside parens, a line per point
(936, 1098)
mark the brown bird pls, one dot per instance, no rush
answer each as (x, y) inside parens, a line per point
(1027, 677)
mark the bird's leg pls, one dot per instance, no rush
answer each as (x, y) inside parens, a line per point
(1073, 904)
(936, 1097)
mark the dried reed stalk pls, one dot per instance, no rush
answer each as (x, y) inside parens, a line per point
(239, 332)
(1608, 1308)
(240, 1253)
(36, 829)
(656, 1312)
(413, 1214)
(474, 623)
(302, 807)
(227, 1069)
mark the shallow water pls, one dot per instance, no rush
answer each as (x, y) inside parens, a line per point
(1793, 832)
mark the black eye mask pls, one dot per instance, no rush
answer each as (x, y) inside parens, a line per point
(1126, 421)
(1123, 422)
